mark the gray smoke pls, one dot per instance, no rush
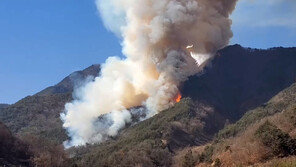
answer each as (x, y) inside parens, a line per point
(164, 42)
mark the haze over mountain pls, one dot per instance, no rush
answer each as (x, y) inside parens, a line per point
(237, 80)
(76, 79)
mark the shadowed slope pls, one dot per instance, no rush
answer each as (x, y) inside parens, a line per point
(13, 151)
(239, 79)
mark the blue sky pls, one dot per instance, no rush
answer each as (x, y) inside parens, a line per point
(265, 23)
(42, 41)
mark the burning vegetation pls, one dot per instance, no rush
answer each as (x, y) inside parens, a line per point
(178, 98)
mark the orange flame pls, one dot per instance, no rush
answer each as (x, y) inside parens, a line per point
(178, 98)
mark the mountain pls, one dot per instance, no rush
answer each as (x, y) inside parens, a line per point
(75, 79)
(240, 79)
(237, 81)
(151, 142)
(262, 137)
(40, 114)
(179, 133)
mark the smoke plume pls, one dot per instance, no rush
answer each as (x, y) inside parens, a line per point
(164, 42)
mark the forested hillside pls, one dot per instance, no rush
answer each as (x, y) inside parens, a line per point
(248, 92)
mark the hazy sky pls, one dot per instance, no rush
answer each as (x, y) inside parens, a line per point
(42, 41)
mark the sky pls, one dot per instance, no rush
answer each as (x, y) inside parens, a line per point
(43, 41)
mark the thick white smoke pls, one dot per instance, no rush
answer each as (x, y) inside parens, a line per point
(164, 41)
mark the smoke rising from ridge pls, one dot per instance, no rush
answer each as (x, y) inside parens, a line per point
(164, 43)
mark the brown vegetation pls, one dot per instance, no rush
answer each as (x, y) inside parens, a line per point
(262, 134)
(279, 162)
(12, 150)
(37, 115)
(46, 153)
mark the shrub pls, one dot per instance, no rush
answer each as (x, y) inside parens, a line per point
(188, 160)
(280, 143)
(206, 155)
(284, 162)
(291, 114)
(217, 163)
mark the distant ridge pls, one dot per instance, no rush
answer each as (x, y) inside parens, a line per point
(74, 79)
(3, 105)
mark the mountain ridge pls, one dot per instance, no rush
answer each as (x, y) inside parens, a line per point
(73, 80)
(39, 114)
(215, 86)
(239, 79)
(235, 81)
